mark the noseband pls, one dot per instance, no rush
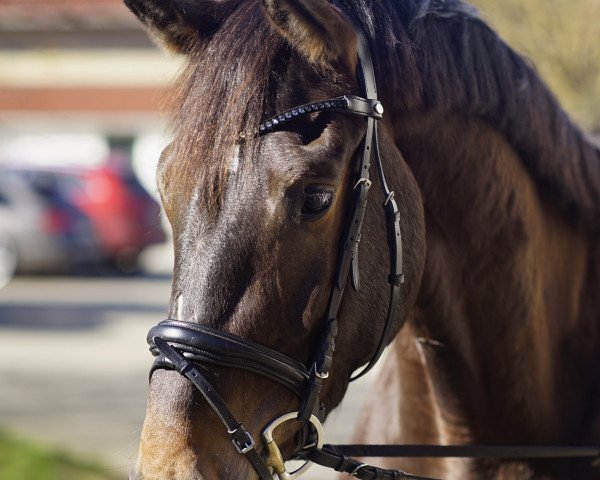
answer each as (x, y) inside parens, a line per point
(191, 348)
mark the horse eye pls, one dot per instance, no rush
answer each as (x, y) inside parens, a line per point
(316, 200)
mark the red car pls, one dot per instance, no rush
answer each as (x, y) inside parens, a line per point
(125, 218)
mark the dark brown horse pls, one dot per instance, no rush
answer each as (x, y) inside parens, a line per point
(499, 196)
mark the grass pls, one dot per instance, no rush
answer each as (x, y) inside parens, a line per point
(26, 460)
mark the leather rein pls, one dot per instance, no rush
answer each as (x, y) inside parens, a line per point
(191, 349)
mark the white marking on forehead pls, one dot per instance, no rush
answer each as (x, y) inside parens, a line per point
(235, 159)
(196, 195)
(190, 225)
(272, 205)
(179, 306)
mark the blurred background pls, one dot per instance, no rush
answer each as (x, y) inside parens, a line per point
(81, 235)
(80, 133)
(85, 258)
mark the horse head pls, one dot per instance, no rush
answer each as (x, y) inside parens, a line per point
(259, 220)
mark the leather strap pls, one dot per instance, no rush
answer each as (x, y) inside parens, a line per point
(348, 261)
(329, 457)
(338, 456)
(396, 275)
(240, 437)
(205, 345)
(468, 451)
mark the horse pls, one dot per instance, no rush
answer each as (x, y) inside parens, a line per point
(498, 196)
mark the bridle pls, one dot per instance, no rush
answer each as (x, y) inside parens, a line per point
(184, 346)
(190, 348)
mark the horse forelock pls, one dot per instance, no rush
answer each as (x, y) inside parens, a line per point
(220, 94)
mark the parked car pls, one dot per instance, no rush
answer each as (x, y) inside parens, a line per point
(8, 258)
(125, 218)
(39, 233)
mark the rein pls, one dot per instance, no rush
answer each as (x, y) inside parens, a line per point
(191, 349)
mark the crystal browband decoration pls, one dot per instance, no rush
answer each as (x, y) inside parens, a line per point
(339, 103)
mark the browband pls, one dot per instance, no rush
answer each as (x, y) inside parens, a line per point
(362, 107)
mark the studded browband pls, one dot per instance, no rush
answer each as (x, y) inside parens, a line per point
(346, 104)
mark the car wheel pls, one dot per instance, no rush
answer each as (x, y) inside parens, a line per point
(126, 261)
(8, 259)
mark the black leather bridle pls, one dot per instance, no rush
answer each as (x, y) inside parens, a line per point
(192, 348)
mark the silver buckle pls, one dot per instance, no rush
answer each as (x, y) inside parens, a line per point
(321, 375)
(357, 469)
(246, 447)
(275, 459)
(389, 197)
(364, 180)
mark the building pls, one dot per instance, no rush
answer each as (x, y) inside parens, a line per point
(78, 78)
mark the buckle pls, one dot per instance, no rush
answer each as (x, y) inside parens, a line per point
(396, 280)
(364, 180)
(389, 197)
(354, 472)
(242, 445)
(321, 375)
(275, 459)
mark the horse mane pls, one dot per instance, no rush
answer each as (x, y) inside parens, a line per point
(443, 57)
(447, 58)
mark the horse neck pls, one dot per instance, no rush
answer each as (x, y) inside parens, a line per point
(503, 327)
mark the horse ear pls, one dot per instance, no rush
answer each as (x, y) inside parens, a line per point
(316, 28)
(180, 24)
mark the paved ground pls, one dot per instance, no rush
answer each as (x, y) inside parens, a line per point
(74, 362)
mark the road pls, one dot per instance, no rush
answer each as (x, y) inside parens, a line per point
(74, 364)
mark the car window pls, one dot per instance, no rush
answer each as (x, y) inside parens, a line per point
(70, 186)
